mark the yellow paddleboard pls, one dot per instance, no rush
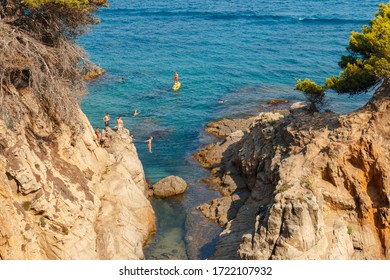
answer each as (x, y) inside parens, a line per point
(176, 86)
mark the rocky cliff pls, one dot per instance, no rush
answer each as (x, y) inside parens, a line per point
(304, 186)
(64, 197)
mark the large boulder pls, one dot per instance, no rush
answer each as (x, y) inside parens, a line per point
(169, 186)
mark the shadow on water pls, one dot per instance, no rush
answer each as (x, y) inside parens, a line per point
(208, 249)
(201, 237)
(200, 231)
(169, 242)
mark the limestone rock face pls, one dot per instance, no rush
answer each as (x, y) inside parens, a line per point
(63, 197)
(318, 186)
(169, 186)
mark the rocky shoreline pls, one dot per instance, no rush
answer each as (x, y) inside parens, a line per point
(297, 185)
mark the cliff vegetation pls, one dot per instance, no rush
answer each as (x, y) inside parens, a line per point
(39, 53)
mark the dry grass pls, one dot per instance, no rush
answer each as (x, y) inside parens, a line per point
(307, 183)
(284, 188)
(52, 74)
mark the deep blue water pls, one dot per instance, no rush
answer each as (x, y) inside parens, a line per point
(241, 52)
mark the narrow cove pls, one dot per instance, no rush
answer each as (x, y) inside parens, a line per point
(145, 43)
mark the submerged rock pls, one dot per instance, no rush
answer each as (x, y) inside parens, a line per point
(277, 101)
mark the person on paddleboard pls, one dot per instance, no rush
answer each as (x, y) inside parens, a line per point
(175, 77)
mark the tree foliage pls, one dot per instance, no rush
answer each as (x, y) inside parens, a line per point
(39, 53)
(68, 3)
(368, 61)
(313, 93)
(51, 21)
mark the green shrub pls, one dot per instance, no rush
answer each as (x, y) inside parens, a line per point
(349, 230)
(42, 221)
(314, 93)
(307, 183)
(284, 188)
(26, 205)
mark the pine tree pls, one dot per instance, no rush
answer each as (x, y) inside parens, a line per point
(367, 64)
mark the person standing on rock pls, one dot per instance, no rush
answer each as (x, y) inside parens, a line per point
(119, 123)
(106, 120)
(97, 133)
(105, 142)
(149, 144)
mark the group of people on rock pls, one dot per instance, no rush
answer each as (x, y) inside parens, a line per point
(103, 138)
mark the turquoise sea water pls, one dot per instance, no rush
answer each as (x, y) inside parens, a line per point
(232, 56)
